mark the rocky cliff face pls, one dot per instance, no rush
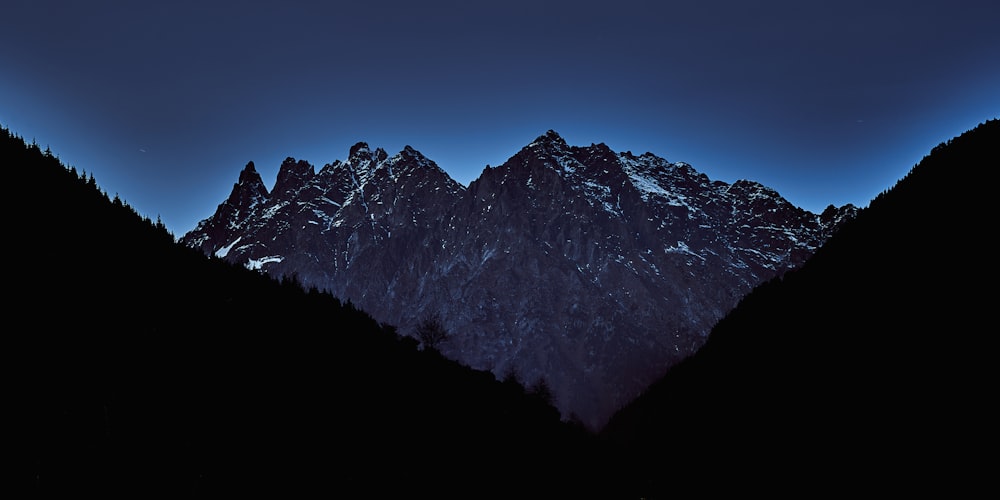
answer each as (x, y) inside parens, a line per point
(589, 270)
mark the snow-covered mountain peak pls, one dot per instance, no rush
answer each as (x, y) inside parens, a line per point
(360, 152)
(550, 139)
(249, 190)
(292, 175)
(361, 157)
(408, 154)
(409, 161)
(251, 179)
(249, 169)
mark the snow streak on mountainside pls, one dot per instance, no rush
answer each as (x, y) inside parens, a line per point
(589, 269)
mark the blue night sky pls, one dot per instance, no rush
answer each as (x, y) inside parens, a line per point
(828, 102)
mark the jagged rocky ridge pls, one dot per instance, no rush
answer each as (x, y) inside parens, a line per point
(589, 270)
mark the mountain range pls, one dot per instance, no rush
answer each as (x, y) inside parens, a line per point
(139, 367)
(580, 270)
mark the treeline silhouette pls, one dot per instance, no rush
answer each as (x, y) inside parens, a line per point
(139, 368)
(870, 370)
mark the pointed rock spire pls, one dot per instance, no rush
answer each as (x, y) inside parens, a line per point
(549, 141)
(249, 174)
(411, 158)
(551, 137)
(250, 187)
(359, 152)
(410, 153)
(292, 175)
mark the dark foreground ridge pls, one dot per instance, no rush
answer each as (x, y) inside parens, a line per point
(873, 366)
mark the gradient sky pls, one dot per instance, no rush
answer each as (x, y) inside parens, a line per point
(828, 102)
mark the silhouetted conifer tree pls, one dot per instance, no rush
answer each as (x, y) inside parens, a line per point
(431, 332)
(542, 391)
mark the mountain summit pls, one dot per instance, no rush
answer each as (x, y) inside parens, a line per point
(580, 271)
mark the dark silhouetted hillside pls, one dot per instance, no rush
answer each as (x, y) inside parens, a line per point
(870, 370)
(137, 368)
